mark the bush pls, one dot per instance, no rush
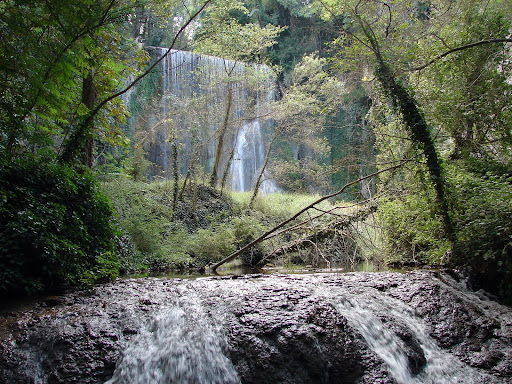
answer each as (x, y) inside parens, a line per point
(153, 239)
(247, 229)
(484, 228)
(211, 245)
(412, 233)
(481, 211)
(56, 228)
(276, 206)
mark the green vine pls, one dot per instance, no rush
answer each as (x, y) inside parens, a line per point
(419, 130)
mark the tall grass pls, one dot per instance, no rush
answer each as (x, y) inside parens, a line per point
(278, 206)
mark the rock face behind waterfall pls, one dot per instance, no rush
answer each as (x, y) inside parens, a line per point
(420, 327)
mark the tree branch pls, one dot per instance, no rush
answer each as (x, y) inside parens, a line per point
(282, 224)
(69, 151)
(328, 231)
(461, 48)
(87, 30)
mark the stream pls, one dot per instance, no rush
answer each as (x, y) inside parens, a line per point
(359, 327)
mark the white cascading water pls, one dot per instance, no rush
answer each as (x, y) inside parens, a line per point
(182, 337)
(362, 312)
(185, 344)
(248, 160)
(181, 345)
(187, 74)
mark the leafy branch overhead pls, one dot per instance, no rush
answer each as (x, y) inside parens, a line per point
(222, 35)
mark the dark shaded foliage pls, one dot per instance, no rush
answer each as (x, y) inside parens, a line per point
(56, 228)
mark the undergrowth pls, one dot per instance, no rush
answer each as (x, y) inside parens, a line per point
(206, 227)
(56, 228)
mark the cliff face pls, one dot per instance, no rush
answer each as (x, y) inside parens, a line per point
(214, 110)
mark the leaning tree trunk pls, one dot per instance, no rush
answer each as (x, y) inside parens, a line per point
(222, 133)
(328, 232)
(268, 234)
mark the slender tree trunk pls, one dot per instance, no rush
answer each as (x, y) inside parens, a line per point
(89, 97)
(187, 178)
(222, 134)
(228, 165)
(176, 175)
(260, 175)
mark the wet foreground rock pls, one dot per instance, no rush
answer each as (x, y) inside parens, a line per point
(419, 327)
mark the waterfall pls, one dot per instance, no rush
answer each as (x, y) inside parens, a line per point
(248, 160)
(181, 345)
(193, 108)
(371, 313)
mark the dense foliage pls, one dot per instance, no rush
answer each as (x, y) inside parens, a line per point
(56, 228)
(447, 121)
(58, 60)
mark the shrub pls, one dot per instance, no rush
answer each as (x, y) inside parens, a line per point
(211, 245)
(276, 206)
(484, 227)
(246, 229)
(481, 211)
(56, 228)
(412, 233)
(153, 239)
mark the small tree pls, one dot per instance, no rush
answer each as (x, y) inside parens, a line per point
(224, 36)
(301, 118)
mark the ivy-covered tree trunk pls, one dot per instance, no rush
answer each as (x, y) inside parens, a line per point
(415, 122)
(420, 134)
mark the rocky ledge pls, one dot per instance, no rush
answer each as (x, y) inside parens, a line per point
(418, 327)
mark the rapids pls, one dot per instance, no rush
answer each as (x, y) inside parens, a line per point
(417, 327)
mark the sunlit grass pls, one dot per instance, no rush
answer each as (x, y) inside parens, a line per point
(284, 205)
(277, 205)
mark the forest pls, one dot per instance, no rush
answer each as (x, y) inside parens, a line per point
(148, 136)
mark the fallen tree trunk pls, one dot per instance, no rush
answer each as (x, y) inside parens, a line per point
(305, 209)
(327, 232)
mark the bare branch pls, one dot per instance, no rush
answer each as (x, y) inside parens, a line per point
(388, 27)
(327, 231)
(282, 224)
(150, 69)
(441, 39)
(461, 48)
